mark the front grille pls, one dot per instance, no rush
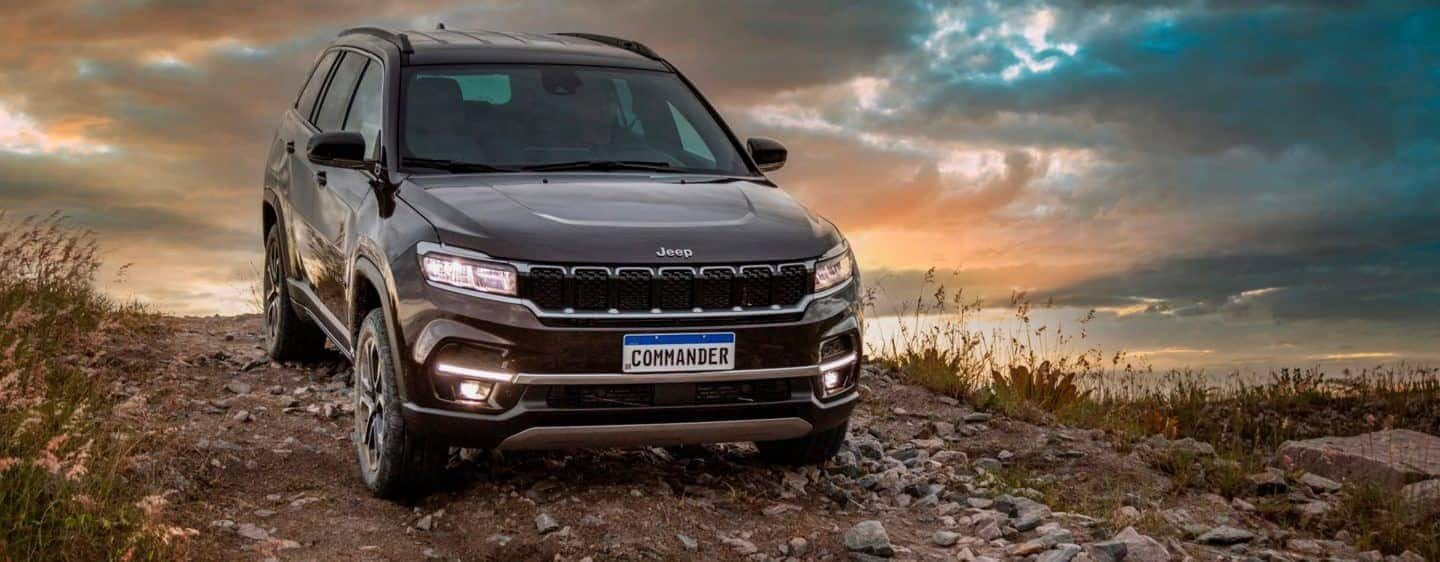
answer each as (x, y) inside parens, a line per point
(632, 289)
(754, 286)
(671, 394)
(546, 286)
(674, 289)
(715, 287)
(592, 288)
(792, 284)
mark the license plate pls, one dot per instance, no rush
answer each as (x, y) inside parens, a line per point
(653, 353)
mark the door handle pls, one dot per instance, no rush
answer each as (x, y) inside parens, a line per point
(320, 178)
(290, 147)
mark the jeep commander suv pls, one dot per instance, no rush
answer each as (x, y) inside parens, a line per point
(540, 241)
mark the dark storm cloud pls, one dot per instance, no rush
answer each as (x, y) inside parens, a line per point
(1354, 82)
(1395, 284)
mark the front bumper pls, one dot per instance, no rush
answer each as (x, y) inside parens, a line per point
(534, 425)
(543, 361)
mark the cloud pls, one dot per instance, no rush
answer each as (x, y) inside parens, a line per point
(19, 134)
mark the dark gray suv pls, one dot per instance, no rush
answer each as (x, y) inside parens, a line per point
(536, 241)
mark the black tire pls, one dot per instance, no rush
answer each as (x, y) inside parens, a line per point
(394, 462)
(288, 337)
(815, 448)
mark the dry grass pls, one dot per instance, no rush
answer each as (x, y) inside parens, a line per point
(1042, 373)
(1017, 367)
(63, 490)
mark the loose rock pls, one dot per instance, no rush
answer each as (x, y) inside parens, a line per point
(869, 537)
(1108, 551)
(1320, 484)
(1061, 553)
(799, 546)
(546, 524)
(1142, 548)
(741, 546)
(1271, 482)
(1225, 536)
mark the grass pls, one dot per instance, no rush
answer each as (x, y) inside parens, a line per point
(64, 493)
(1046, 374)
(1381, 520)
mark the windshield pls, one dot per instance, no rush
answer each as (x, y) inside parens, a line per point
(551, 117)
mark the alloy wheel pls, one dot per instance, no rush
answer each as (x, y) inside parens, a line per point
(274, 278)
(369, 405)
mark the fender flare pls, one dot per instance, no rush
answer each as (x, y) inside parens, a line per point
(292, 260)
(366, 268)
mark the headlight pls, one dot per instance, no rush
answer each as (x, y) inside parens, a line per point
(834, 271)
(467, 274)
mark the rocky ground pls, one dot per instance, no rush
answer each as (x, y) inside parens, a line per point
(257, 457)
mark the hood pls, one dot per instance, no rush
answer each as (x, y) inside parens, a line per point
(618, 218)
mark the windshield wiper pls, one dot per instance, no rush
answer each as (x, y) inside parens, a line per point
(452, 166)
(601, 165)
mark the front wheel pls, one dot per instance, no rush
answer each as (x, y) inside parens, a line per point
(815, 448)
(394, 462)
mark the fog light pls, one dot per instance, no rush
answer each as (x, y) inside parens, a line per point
(475, 391)
(833, 380)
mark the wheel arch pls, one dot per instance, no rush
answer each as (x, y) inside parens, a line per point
(370, 289)
(272, 215)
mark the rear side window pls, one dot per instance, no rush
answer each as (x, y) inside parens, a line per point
(337, 96)
(306, 103)
(366, 110)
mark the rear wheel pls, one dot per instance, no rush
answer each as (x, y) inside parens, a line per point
(814, 448)
(287, 335)
(394, 462)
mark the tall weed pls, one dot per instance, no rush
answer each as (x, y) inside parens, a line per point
(63, 491)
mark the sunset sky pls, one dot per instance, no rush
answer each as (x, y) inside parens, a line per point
(1228, 184)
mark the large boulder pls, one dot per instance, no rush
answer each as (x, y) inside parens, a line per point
(1391, 458)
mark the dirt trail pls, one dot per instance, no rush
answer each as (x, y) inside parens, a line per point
(259, 459)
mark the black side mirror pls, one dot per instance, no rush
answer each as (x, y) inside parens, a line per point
(340, 149)
(769, 154)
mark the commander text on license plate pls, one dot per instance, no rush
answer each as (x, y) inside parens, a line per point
(649, 353)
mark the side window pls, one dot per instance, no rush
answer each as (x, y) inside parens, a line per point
(366, 110)
(306, 103)
(337, 96)
(690, 138)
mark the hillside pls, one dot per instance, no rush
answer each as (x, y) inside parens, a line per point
(256, 457)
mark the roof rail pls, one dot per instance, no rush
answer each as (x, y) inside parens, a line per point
(626, 44)
(398, 39)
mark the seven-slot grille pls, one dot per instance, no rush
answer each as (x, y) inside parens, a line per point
(674, 289)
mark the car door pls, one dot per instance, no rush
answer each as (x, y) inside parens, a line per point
(324, 208)
(293, 176)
